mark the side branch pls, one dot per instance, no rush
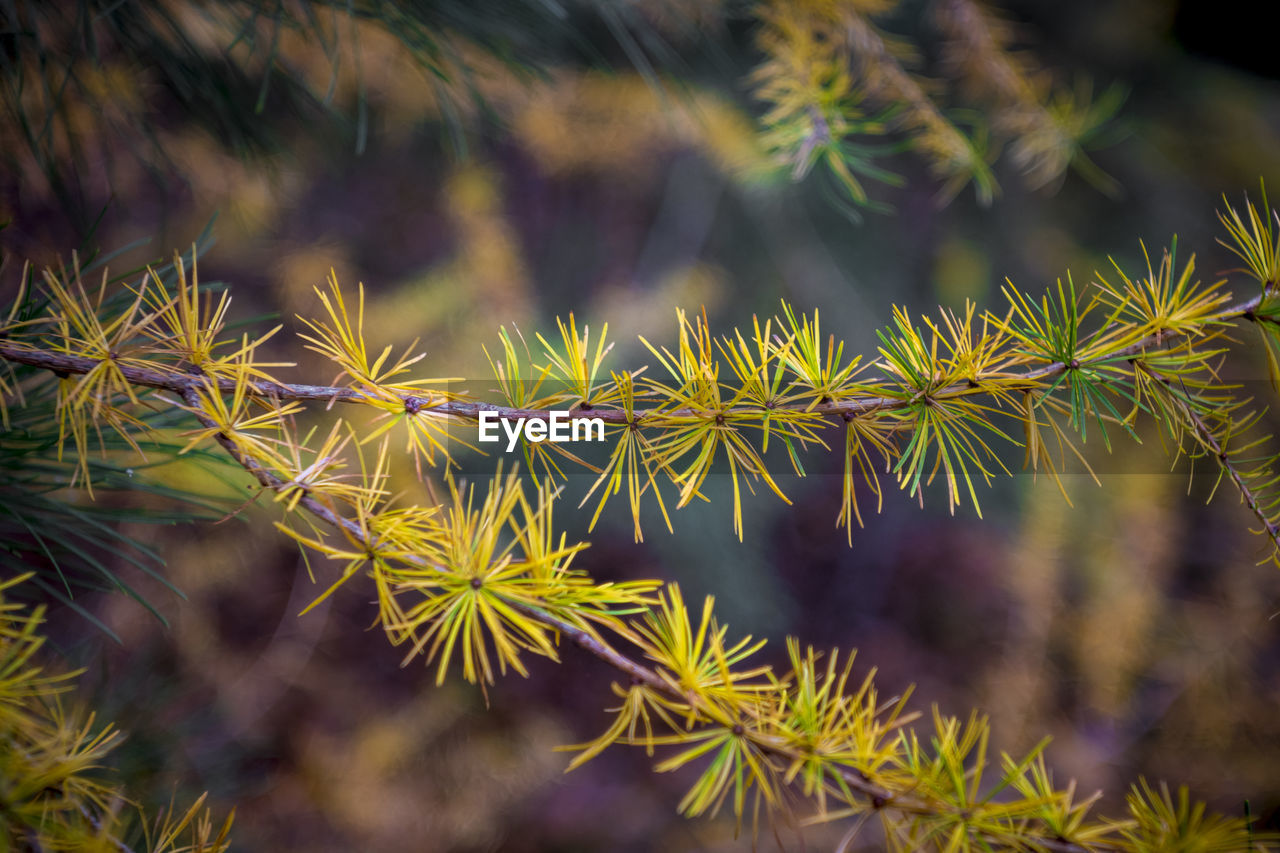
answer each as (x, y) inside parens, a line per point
(1209, 440)
(879, 797)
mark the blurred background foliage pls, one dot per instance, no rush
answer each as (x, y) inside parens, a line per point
(478, 164)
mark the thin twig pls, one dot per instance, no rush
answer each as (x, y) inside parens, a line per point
(1222, 457)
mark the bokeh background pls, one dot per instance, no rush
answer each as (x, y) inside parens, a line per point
(1136, 627)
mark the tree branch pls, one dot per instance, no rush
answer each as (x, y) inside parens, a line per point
(186, 386)
(147, 377)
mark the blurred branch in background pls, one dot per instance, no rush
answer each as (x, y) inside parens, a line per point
(91, 88)
(55, 795)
